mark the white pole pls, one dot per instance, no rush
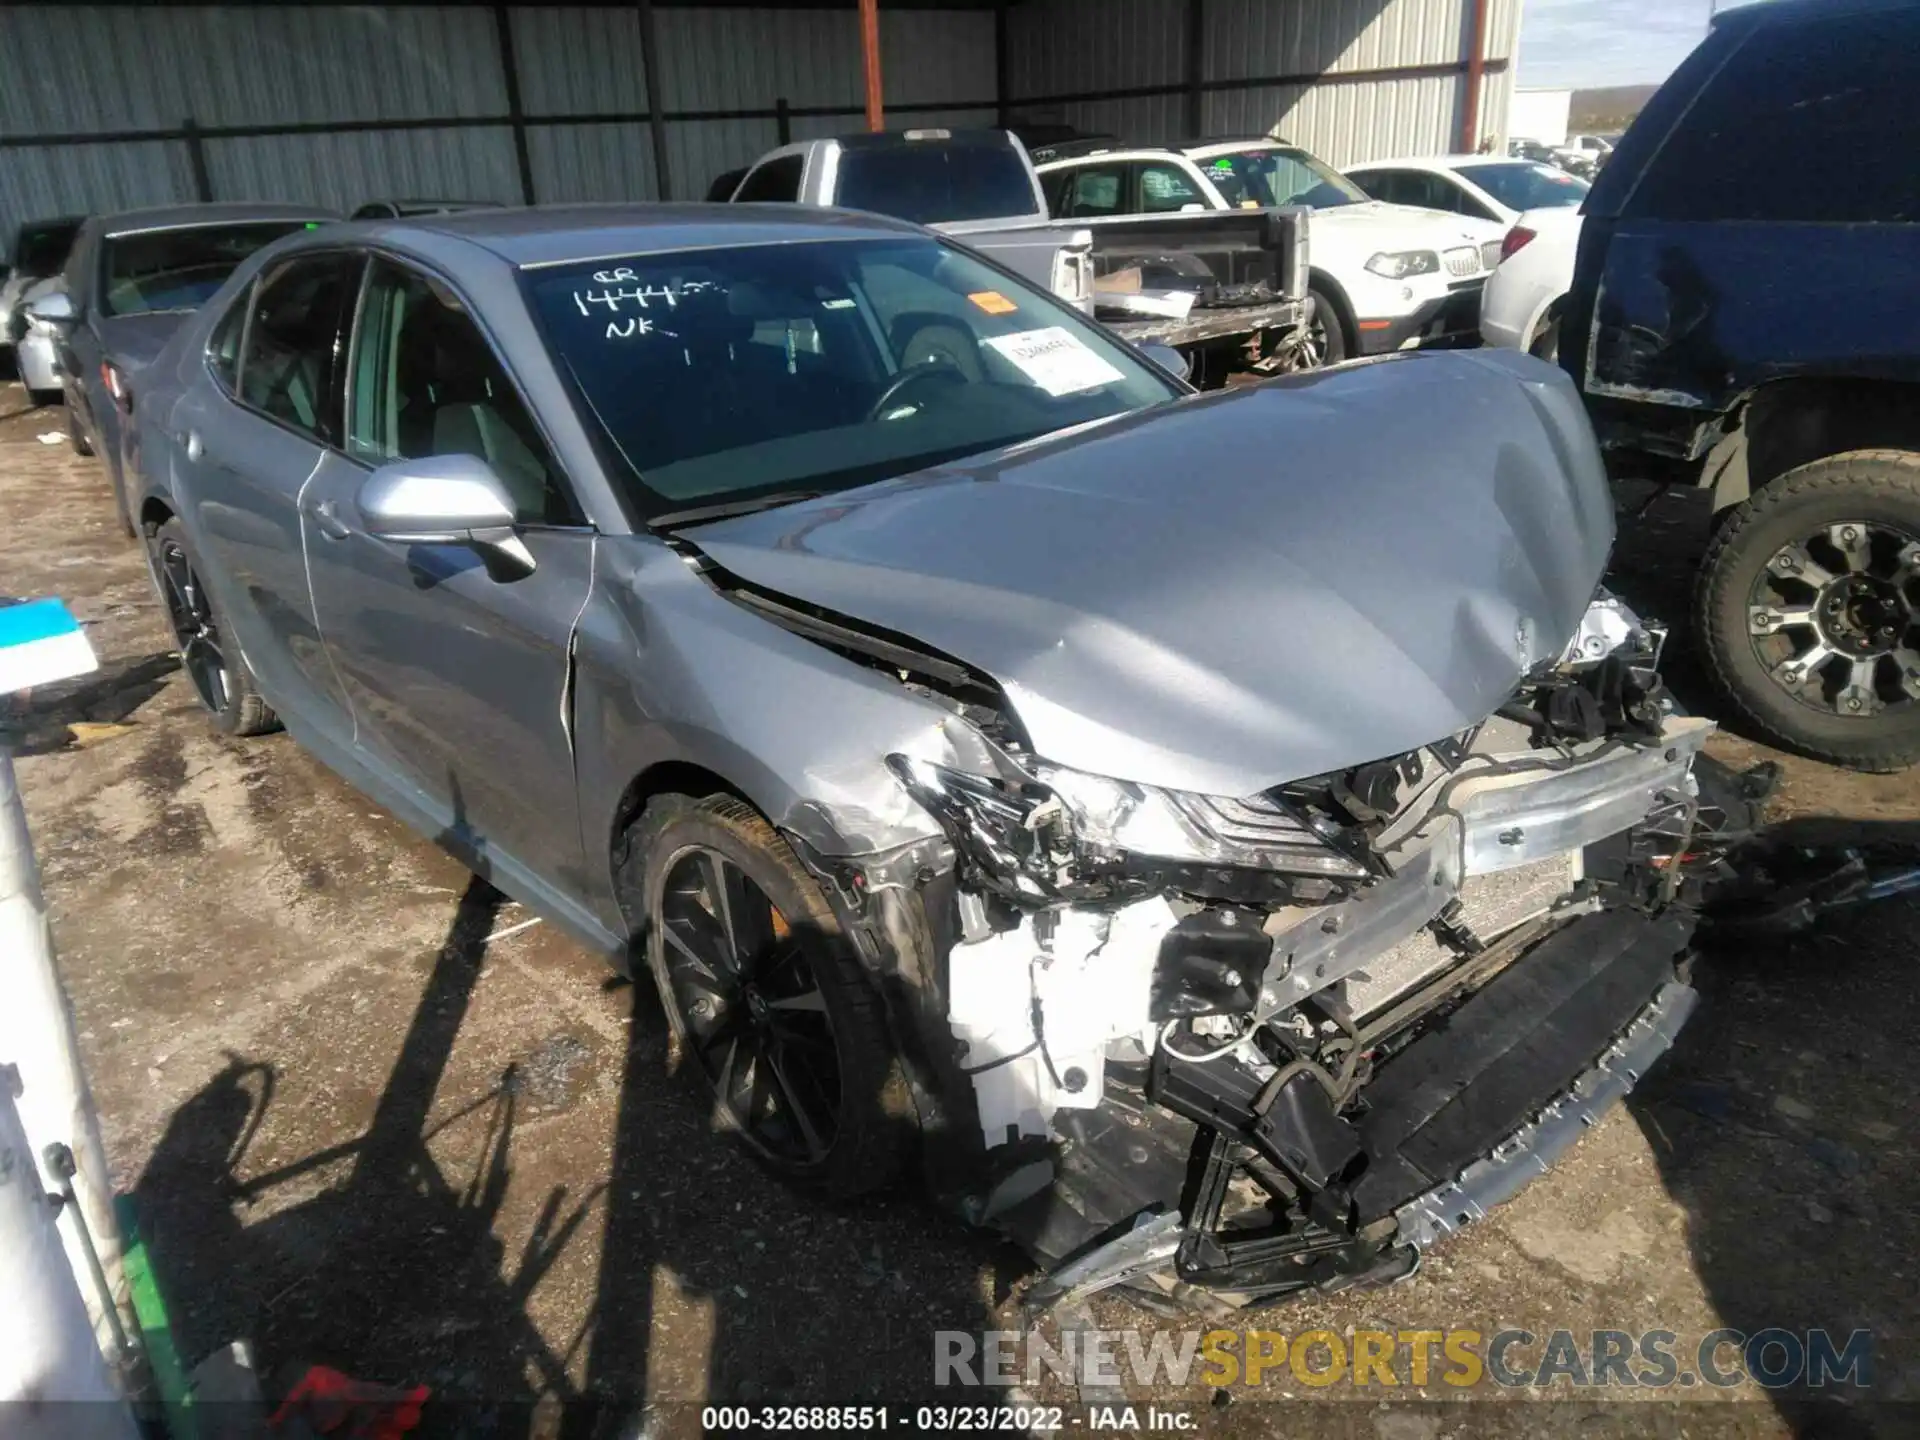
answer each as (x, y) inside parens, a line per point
(37, 1037)
(54, 1382)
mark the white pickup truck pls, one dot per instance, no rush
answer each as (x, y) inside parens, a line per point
(1241, 282)
(1383, 277)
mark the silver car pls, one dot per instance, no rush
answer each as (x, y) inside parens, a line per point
(1007, 763)
(38, 253)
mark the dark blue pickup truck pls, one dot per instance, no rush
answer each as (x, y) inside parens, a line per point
(1745, 315)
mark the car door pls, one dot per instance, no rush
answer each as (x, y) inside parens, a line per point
(77, 348)
(257, 425)
(1462, 201)
(458, 681)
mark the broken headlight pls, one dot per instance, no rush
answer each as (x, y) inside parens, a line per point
(1062, 830)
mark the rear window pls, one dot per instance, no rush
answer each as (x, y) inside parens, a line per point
(160, 270)
(1808, 120)
(928, 181)
(1522, 185)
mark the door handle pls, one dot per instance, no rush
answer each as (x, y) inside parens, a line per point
(326, 519)
(195, 449)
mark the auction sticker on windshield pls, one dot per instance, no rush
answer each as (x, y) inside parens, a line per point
(1056, 360)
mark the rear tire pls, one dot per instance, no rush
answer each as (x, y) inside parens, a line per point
(214, 665)
(1546, 341)
(76, 437)
(1777, 586)
(776, 992)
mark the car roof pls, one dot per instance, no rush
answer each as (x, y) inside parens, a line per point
(1437, 162)
(1116, 151)
(559, 234)
(180, 217)
(1200, 149)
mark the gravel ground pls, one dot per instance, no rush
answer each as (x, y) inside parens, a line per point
(364, 1133)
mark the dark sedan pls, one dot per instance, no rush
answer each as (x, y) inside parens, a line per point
(130, 280)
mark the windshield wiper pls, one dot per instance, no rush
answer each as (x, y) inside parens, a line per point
(693, 515)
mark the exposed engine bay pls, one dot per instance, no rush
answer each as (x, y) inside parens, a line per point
(1260, 1045)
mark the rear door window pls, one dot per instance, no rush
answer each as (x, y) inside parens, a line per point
(1096, 190)
(1167, 187)
(1810, 119)
(290, 368)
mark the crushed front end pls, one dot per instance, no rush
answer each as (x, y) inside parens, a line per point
(1258, 1046)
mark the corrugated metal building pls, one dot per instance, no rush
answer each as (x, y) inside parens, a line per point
(105, 107)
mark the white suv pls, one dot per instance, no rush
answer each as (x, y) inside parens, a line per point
(1384, 277)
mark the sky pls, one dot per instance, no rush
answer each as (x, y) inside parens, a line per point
(1578, 43)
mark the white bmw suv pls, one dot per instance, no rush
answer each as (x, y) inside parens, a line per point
(1384, 277)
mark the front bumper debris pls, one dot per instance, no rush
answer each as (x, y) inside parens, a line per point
(1458, 1122)
(1532, 1149)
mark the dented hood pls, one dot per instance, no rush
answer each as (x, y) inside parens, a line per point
(1236, 590)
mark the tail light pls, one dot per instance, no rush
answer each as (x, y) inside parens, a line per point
(116, 384)
(1073, 271)
(1516, 241)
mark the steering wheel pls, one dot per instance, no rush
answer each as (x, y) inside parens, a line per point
(941, 369)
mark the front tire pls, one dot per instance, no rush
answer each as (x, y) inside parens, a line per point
(1326, 336)
(771, 1011)
(213, 663)
(1808, 609)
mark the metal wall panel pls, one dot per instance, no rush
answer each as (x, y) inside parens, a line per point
(728, 59)
(1071, 47)
(45, 180)
(342, 170)
(1345, 124)
(592, 162)
(578, 61)
(1256, 37)
(80, 68)
(700, 150)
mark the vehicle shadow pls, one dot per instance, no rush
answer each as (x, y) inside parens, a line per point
(1781, 1122)
(37, 721)
(713, 1283)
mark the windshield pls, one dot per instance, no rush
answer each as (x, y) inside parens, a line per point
(42, 249)
(178, 269)
(1522, 185)
(730, 374)
(1267, 176)
(928, 181)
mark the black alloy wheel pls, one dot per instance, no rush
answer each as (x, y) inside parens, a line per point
(756, 1021)
(215, 666)
(194, 625)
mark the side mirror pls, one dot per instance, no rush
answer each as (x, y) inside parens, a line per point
(54, 308)
(1166, 357)
(446, 500)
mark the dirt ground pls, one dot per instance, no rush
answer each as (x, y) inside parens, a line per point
(375, 1116)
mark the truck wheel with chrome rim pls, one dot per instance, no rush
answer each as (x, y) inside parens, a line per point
(770, 1009)
(1808, 608)
(213, 663)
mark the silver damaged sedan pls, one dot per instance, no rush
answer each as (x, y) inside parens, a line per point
(1225, 842)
